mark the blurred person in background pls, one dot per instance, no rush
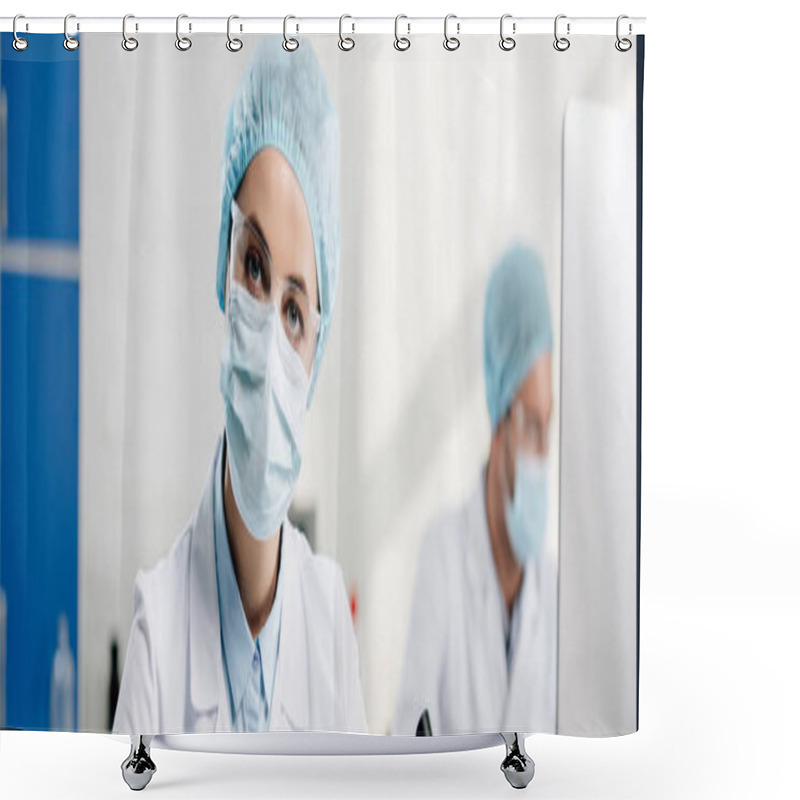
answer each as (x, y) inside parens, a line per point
(481, 647)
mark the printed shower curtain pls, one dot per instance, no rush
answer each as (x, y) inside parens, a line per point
(320, 385)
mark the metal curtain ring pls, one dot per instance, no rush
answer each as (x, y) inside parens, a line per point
(289, 43)
(451, 42)
(70, 42)
(346, 42)
(183, 43)
(19, 43)
(129, 43)
(623, 44)
(561, 43)
(401, 43)
(233, 44)
(507, 42)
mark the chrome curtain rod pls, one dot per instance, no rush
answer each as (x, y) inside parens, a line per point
(461, 26)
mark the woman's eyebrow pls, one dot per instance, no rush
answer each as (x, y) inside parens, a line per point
(260, 234)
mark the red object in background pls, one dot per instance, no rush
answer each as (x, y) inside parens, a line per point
(353, 602)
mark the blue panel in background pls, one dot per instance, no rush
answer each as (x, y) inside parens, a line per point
(39, 325)
(41, 86)
(39, 472)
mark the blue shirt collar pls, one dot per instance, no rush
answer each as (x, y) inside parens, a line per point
(238, 645)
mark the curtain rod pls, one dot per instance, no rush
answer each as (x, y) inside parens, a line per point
(319, 25)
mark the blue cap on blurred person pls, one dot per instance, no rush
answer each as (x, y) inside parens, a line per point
(283, 102)
(516, 326)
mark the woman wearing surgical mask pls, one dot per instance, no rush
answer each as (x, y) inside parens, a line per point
(481, 650)
(241, 627)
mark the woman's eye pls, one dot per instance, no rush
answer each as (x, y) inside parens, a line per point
(294, 319)
(254, 269)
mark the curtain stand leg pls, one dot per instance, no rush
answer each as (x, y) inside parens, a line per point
(138, 768)
(517, 766)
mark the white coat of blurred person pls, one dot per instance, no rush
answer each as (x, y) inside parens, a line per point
(241, 627)
(481, 648)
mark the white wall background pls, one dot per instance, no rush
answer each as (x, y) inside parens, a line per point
(433, 190)
(721, 538)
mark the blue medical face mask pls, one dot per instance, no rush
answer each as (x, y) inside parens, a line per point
(526, 511)
(265, 387)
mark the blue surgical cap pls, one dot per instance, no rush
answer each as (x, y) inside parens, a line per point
(283, 102)
(516, 326)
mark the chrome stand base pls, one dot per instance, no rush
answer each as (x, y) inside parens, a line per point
(517, 766)
(138, 768)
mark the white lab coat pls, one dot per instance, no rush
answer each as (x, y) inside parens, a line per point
(174, 681)
(456, 664)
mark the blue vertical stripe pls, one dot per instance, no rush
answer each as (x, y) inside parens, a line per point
(39, 321)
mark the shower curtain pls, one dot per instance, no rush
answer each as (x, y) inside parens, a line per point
(460, 460)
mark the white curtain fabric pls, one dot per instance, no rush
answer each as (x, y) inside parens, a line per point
(598, 592)
(447, 158)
